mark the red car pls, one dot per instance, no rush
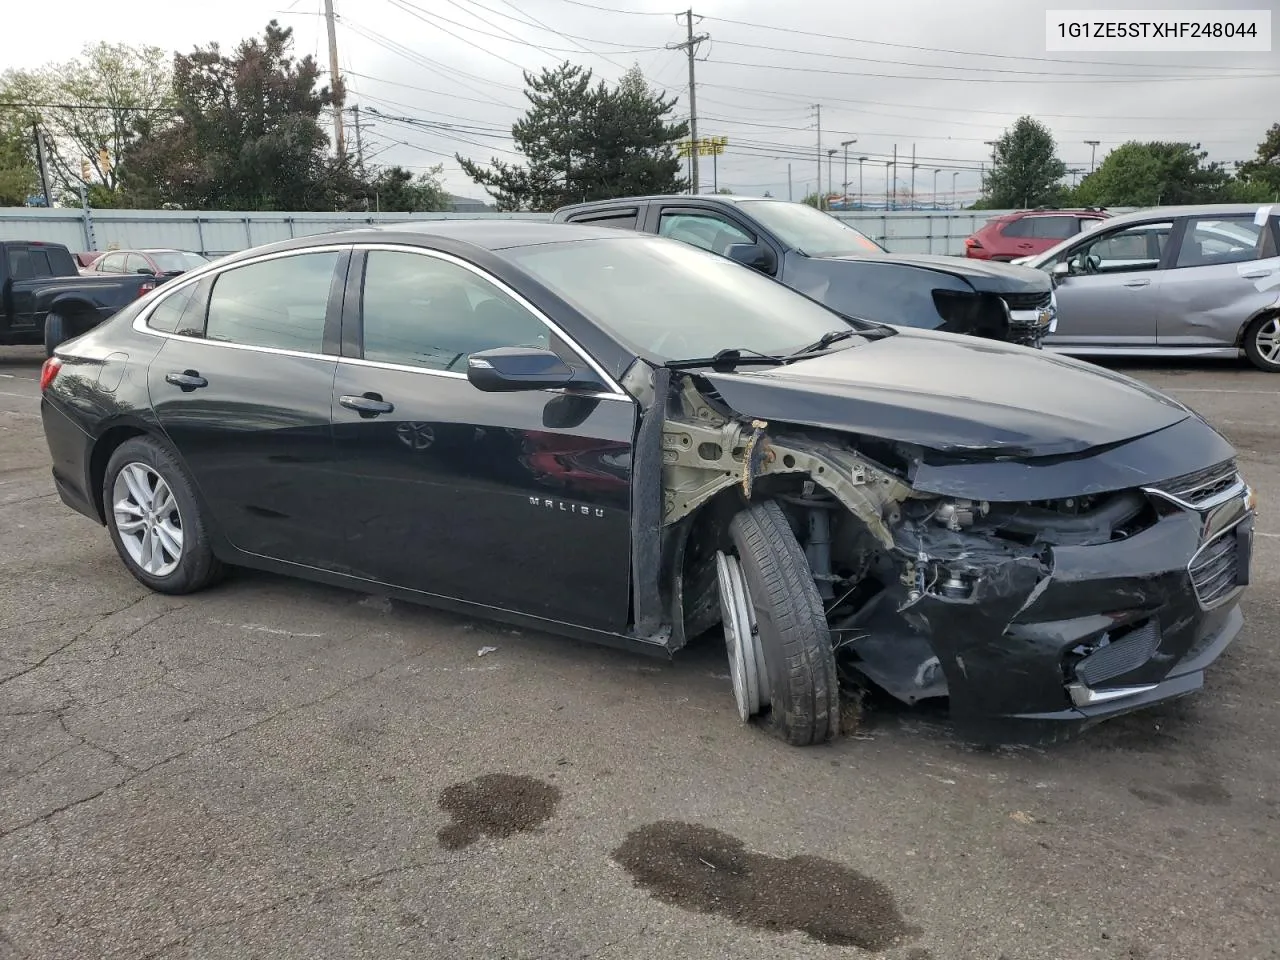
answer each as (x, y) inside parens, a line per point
(1028, 232)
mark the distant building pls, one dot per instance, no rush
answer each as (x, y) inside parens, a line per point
(468, 205)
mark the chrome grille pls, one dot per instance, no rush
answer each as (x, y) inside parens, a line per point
(1213, 568)
(1027, 301)
(1202, 485)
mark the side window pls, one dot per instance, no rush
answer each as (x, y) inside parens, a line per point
(19, 263)
(622, 219)
(110, 263)
(1122, 251)
(426, 312)
(1209, 241)
(1017, 228)
(40, 265)
(135, 263)
(702, 230)
(169, 311)
(1053, 228)
(278, 303)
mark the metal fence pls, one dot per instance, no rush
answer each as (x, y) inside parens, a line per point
(217, 233)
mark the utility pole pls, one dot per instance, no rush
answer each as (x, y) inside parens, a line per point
(935, 188)
(335, 77)
(895, 176)
(830, 153)
(789, 197)
(954, 174)
(888, 165)
(844, 192)
(817, 107)
(1093, 148)
(861, 195)
(690, 46)
(913, 176)
(359, 140)
(42, 163)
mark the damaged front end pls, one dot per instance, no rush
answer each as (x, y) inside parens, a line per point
(940, 576)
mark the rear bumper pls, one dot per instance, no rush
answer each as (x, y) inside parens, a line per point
(70, 449)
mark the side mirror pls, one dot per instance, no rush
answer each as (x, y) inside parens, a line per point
(146, 270)
(1061, 269)
(755, 255)
(508, 369)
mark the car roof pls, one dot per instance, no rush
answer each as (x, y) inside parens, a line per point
(688, 197)
(490, 235)
(1190, 210)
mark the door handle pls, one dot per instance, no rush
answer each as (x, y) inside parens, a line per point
(367, 405)
(1256, 274)
(1137, 283)
(187, 380)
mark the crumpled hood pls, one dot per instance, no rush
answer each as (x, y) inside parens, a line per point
(983, 275)
(957, 395)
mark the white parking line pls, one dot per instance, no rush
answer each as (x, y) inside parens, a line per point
(20, 396)
(1259, 393)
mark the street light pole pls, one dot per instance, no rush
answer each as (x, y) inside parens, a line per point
(831, 152)
(1093, 147)
(888, 164)
(860, 194)
(935, 188)
(954, 174)
(845, 144)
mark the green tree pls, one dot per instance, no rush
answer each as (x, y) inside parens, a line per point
(395, 189)
(247, 134)
(585, 142)
(1150, 174)
(90, 107)
(1264, 169)
(18, 177)
(1026, 170)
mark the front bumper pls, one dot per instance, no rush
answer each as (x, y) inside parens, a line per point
(1079, 635)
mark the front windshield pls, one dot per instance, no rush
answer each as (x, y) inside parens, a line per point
(809, 230)
(671, 301)
(177, 260)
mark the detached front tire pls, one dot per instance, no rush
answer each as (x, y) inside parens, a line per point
(1262, 343)
(155, 519)
(780, 653)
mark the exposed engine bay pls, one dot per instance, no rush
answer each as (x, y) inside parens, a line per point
(1010, 608)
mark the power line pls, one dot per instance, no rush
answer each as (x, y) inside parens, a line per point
(630, 13)
(958, 53)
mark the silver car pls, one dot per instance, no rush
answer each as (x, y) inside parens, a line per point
(1171, 281)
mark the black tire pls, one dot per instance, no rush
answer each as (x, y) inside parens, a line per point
(56, 331)
(1251, 343)
(794, 636)
(197, 567)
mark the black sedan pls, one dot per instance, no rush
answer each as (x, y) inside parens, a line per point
(625, 439)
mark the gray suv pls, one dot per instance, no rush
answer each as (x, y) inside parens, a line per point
(1171, 281)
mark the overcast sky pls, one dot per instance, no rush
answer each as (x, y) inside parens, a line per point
(940, 76)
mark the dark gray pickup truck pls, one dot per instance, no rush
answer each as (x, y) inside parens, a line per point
(45, 299)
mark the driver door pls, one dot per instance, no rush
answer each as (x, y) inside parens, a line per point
(1109, 296)
(518, 501)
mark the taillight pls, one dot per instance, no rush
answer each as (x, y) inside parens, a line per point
(146, 288)
(972, 243)
(48, 372)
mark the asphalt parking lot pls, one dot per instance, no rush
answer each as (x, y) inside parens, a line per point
(277, 769)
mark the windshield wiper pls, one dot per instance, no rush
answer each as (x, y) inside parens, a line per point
(826, 340)
(725, 359)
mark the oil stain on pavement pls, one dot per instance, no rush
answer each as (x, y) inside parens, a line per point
(496, 805)
(702, 869)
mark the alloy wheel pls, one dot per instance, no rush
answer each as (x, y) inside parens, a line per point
(741, 638)
(147, 518)
(1267, 340)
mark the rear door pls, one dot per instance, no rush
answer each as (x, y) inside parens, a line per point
(1109, 300)
(242, 388)
(628, 217)
(1226, 269)
(518, 501)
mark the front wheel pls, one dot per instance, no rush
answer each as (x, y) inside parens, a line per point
(1262, 343)
(781, 659)
(155, 520)
(56, 331)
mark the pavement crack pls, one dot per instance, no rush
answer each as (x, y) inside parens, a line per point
(76, 639)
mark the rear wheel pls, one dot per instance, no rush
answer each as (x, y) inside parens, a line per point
(780, 655)
(56, 331)
(1262, 343)
(155, 520)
